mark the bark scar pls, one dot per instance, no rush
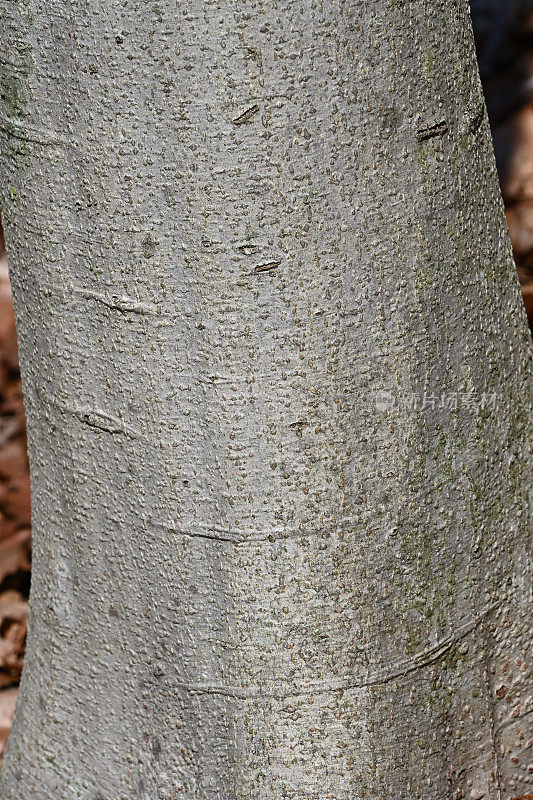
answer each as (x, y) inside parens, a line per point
(298, 425)
(247, 248)
(98, 419)
(246, 115)
(430, 131)
(26, 134)
(123, 304)
(267, 266)
(422, 660)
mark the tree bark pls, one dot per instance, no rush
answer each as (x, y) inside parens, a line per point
(276, 376)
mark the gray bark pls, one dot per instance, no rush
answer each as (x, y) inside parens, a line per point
(246, 239)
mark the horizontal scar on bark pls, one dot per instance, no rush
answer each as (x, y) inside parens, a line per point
(97, 419)
(247, 249)
(269, 265)
(429, 131)
(246, 115)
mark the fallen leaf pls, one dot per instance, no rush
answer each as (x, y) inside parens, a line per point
(14, 553)
(8, 699)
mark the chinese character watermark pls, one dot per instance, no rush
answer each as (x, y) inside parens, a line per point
(385, 401)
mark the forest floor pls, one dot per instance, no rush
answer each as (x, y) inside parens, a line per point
(15, 518)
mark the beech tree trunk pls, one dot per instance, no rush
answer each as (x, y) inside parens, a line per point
(276, 371)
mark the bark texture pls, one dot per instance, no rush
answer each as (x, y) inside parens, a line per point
(246, 238)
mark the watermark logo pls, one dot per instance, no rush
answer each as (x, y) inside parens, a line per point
(384, 401)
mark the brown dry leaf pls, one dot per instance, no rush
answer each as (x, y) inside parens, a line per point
(11, 660)
(13, 629)
(8, 527)
(13, 607)
(520, 222)
(518, 183)
(9, 428)
(12, 393)
(15, 500)
(10, 353)
(8, 698)
(13, 459)
(5, 681)
(7, 319)
(7, 654)
(14, 553)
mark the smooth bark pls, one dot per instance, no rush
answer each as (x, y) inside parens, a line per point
(252, 244)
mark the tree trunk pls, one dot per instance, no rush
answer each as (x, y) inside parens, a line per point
(276, 377)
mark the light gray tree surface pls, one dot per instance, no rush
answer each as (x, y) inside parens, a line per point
(254, 247)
